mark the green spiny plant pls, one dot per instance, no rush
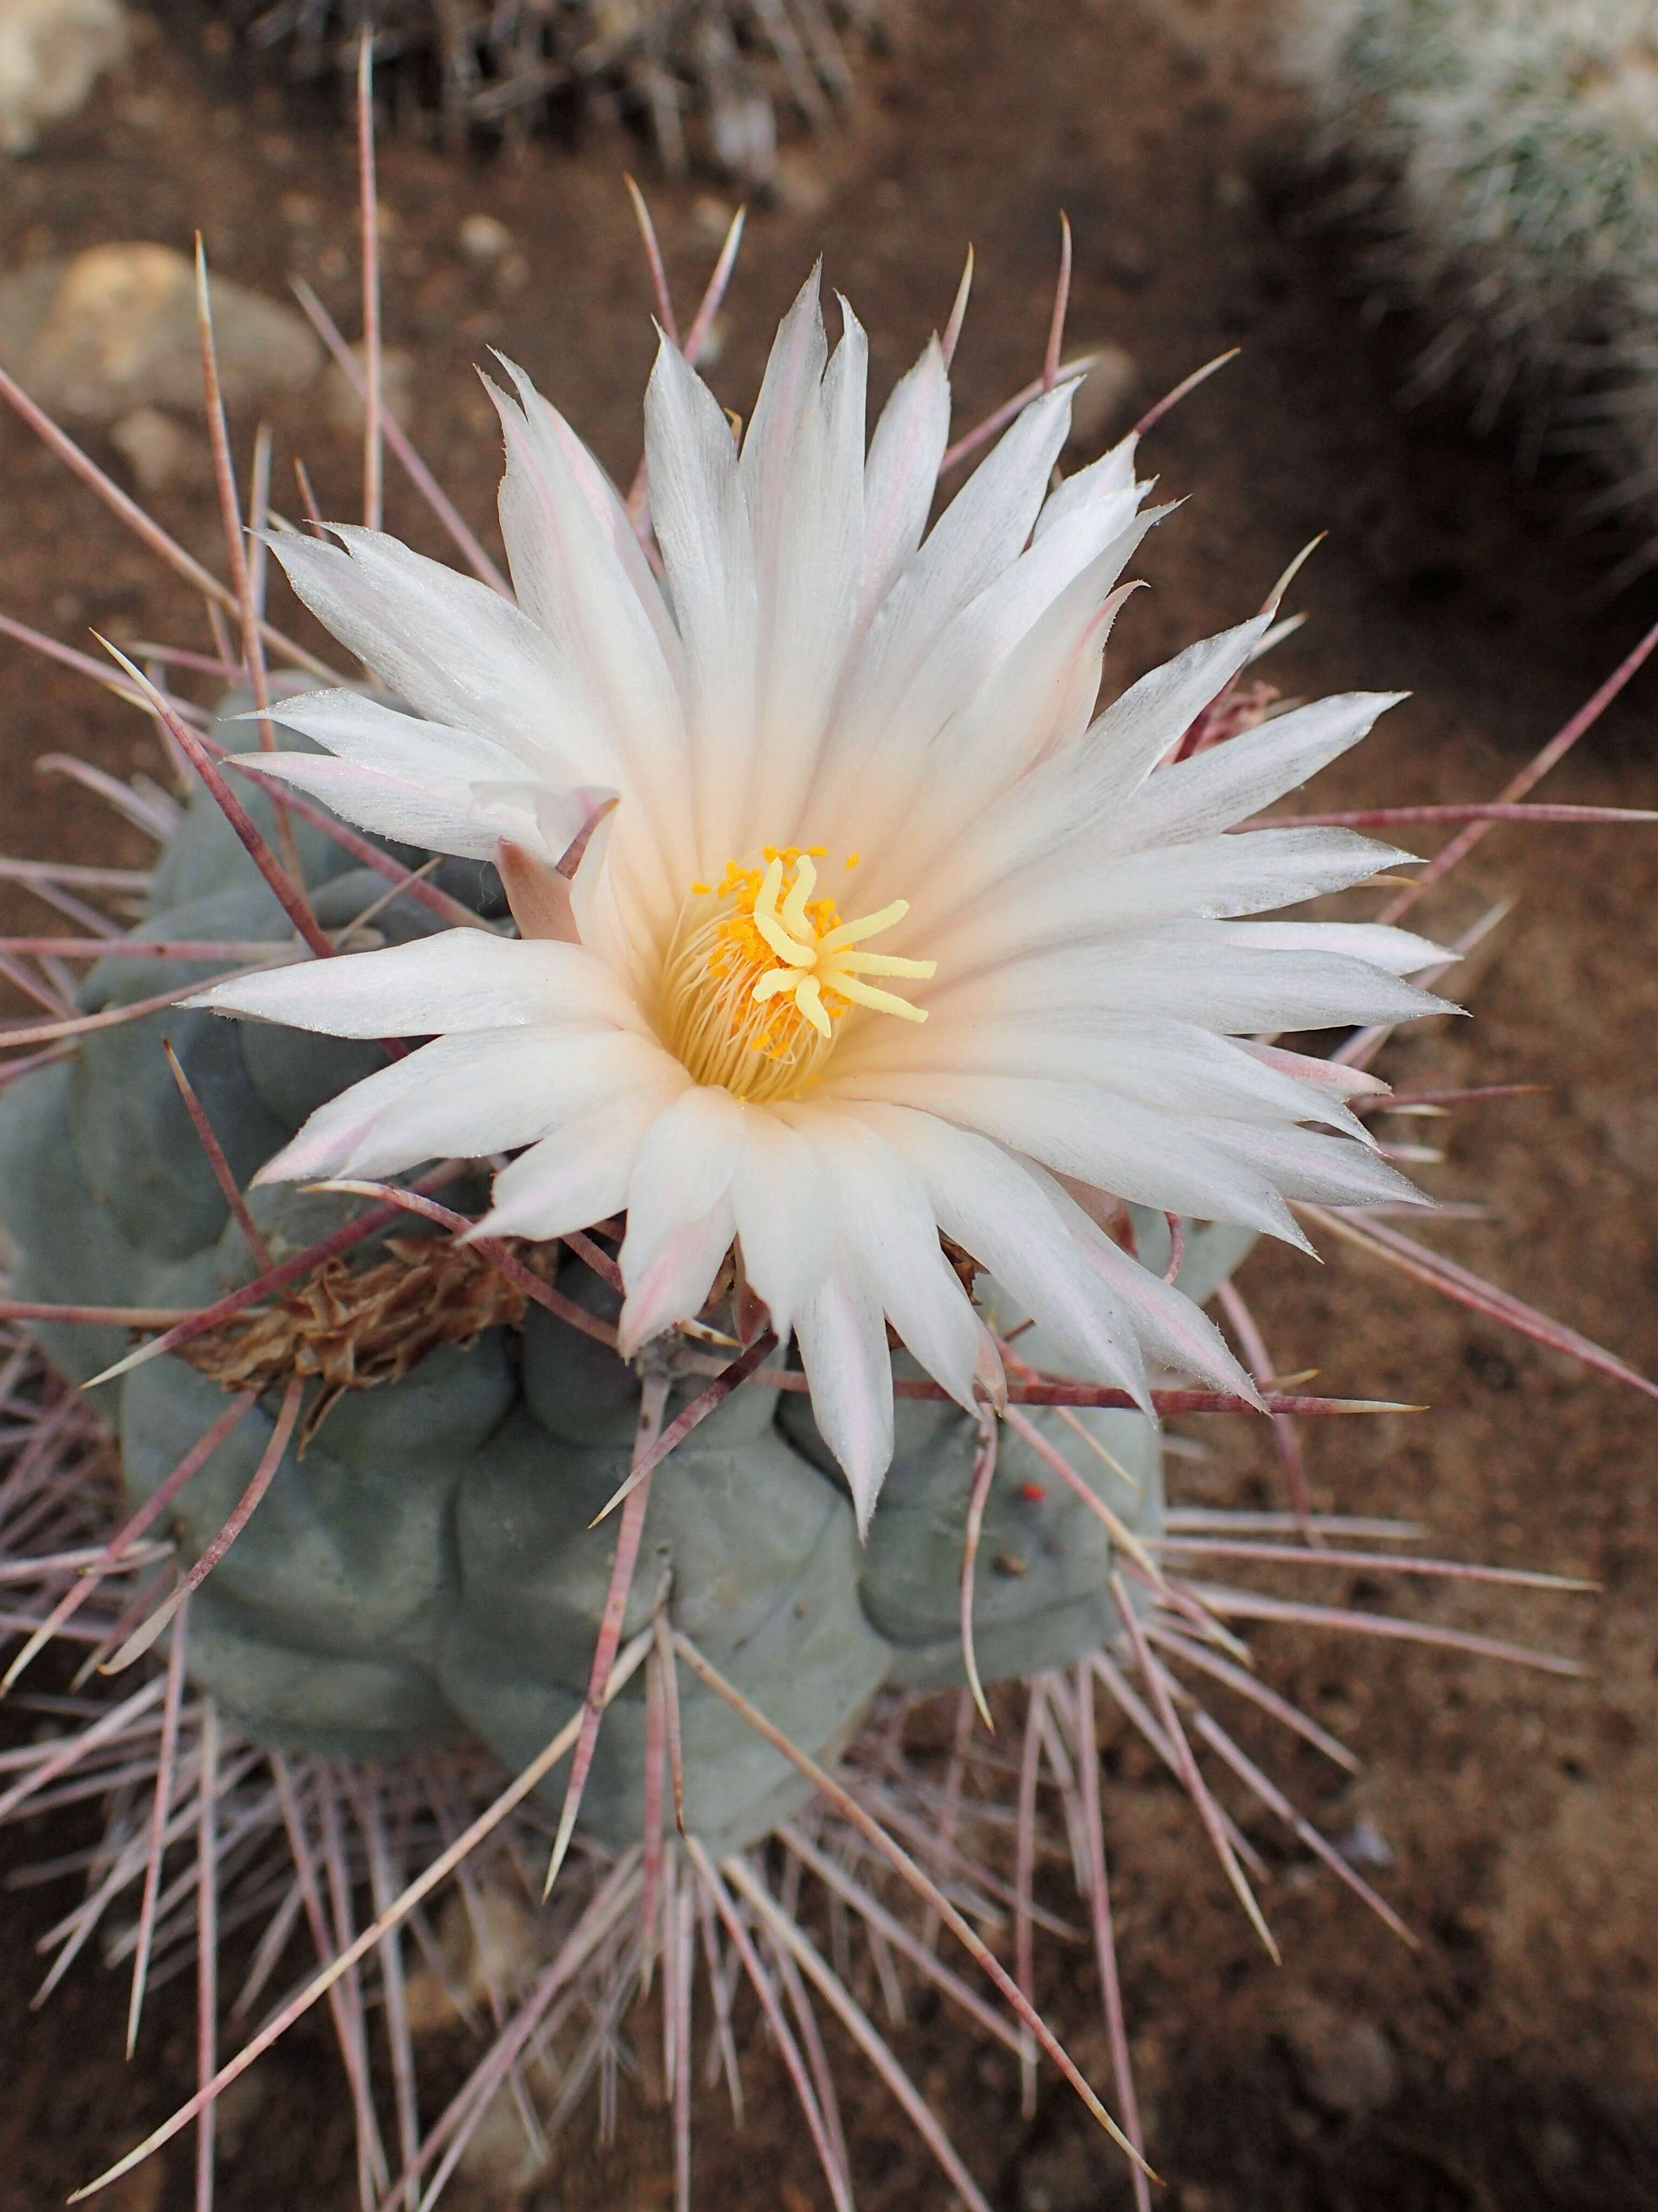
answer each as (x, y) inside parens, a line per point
(397, 1522)
(1504, 154)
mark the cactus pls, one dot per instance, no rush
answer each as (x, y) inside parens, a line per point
(709, 77)
(395, 1460)
(423, 1568)
(1505, 152)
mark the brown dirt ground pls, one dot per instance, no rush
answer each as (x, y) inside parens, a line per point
(1525, 2030)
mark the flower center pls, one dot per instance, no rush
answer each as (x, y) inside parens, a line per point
(755, 986)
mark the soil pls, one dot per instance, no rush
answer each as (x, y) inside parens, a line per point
(1511, 2061)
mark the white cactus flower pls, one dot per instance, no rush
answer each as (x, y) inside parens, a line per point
(888, 934)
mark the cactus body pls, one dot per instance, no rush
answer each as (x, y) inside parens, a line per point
(1508, 153)
(423, 1569)
(709, 76)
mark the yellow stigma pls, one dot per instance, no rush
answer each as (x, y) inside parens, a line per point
(753, 992)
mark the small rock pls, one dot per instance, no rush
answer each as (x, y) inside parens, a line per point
(799, 185)
(711, 218)
(744, 132)
(154, 448)
(483, 239)
(52, 54)
(344, 409)
(496, 1948)
(500, 2163)
(1364, 1845)
(1100, 401)
(1232, 189)
(714, 342)
(1344, 2063)
(114, 330)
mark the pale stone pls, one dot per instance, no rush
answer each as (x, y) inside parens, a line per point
(341, 404)
(52, 54)
(1343, 2062)
(156, 448)
(1100, 401)
(500, 2165)
(483, 239)
(115, 329)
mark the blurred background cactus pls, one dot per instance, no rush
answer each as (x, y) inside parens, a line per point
(715, 80)
(1504, 155)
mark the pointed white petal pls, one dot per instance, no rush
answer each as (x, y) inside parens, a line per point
(354, 727)
(1397, 951)
(1228, 783)
(1307, 1164)
(680, 1216)
(450, 647)
(783, 1210)
(1080, 798)
(1151, 1158)
(1134, 732)
(1327, 1075)
(809, 548)
(444, 815)
(842, 1336)
(794, 371)
(1211, 973)
(995, 1209)
(976, 538)
(569, 577)
(1174, 1067)
(1104, 479)
(903, 472)
(1175, 1333)
(702, 526)
(1070, 898)
(888, 1234)
(461, 981)
(581, 1174)
(466, 1095)
(548, 427)
(514, 1087)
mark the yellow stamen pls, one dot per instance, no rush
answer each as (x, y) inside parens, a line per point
(752, 994)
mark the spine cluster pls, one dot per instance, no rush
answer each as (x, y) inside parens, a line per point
(1504, 154)
(711, 79)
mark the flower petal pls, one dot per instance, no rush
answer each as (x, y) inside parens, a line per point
(459, 980)
(842, 1336)
(680, 1216)
(888, 1234)
(454, 650)
(580, 1174)
(443, 814)
(783, 1206)
(1228, 783)
(547, 429)
(1214, 974)
(1069, 899)
(567, 575)
(702, 519)
(901, 474)
(460, 1097)
(1071, 1128)
(995, 1208)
